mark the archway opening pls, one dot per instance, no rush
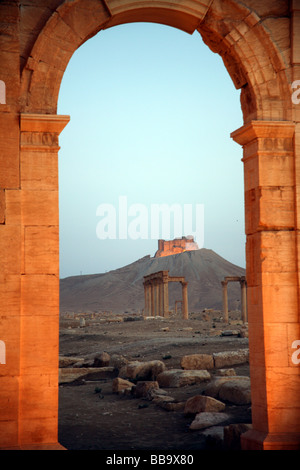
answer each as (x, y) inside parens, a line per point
(151, 110)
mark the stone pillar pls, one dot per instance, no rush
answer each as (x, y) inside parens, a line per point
(225, 301)
(185, 309)
(272, 283)
(152, 299)
(161, 299)
(166, 296)
(30, 275)
(147, 310)
(244, 300)
(156, 296)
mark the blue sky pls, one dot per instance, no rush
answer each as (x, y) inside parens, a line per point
(152, 109)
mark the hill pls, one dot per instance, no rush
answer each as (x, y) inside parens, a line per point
(122, 290)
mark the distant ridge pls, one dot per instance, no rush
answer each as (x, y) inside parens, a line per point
(122, 290)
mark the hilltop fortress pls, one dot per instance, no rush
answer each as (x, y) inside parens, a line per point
(173, 247)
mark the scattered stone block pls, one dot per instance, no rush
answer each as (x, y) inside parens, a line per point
(202, 403)
(234, 390)
(142, 370)
(70, 374)
(197, 361)
(142, 389)
(102, 360)
(226, 372)
(119, 385)
(207, 419)
(69, 361)
(172, 406)
(229, 358)
(179, 378)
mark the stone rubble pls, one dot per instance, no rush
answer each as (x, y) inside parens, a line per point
(147, 380)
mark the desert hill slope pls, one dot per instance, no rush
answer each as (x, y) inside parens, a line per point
(122, 290)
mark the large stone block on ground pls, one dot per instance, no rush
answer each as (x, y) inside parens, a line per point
(197, 361)
(179, 378)
(205, 420)
(119, 385)
(236, 390)
(230, 358)
(142, 370)
(70, 374)
(143, 389)
(202, 403)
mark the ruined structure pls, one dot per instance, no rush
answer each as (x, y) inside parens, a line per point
(259, 44)
(243, 283)
(173, 247)
(156, 289)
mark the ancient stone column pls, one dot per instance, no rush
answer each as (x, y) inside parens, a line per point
(185, 310)
(166, 295)
(244, 300)
(272, 283)
(161, 299)
(147, 294)
(225, 302)
(152, 299)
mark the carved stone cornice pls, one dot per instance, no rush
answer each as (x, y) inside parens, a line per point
(40, 132)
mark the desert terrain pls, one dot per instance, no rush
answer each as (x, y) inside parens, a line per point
(94, 417)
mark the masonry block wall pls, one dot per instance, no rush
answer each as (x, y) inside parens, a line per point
(259, 43)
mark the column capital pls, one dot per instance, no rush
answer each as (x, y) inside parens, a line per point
(263, 129)
(41, 131)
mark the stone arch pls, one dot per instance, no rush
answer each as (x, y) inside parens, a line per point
(262, 64)
(250, 54)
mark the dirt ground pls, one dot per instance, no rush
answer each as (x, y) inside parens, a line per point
(92, 417)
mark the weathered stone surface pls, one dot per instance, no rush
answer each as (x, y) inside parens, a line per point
(143, 388)
(206, 419)
(172, 405)
(201, 403)
(236, 391)
(65, 361)
(119, 385)
(226, 372)
(69, 374)
(102, 360)
(179, 378)
(229, 358)
(197, 361)
(142, 370)
(118, 361)
(232, 435)
(231, 389)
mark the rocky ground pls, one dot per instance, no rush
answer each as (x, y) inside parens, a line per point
(131, 398)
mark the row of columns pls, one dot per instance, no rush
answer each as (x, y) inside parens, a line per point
(243, 283)
(156, 291)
